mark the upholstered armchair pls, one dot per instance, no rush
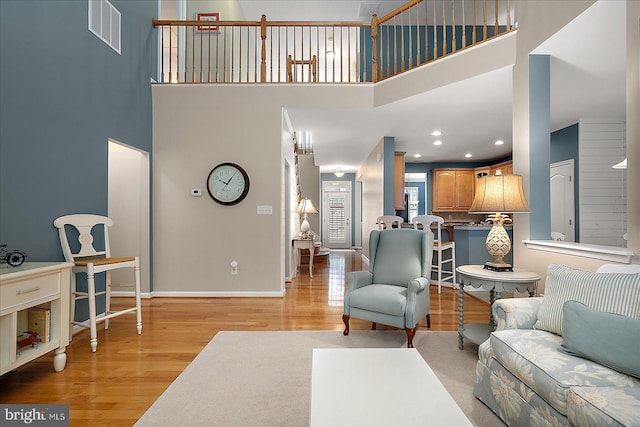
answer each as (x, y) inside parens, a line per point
(395, 290)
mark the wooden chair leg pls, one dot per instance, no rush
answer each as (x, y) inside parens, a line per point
(374, 326)
(411, 332)
(345, 319)
(428, 320)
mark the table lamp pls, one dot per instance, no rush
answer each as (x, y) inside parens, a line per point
(305, 207)
(494, 195)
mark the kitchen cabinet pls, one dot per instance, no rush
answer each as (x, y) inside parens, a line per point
(504, 168)
(453, 189)
(398, 181)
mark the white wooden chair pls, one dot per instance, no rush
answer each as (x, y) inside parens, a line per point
(439, 248)
(91, 261)
(385, 222)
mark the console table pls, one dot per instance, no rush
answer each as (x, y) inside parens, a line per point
(298, 245)
(494, 282)
(44, 284)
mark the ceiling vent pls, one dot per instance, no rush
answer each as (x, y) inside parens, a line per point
(367, 10)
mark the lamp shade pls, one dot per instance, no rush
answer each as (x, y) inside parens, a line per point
(305, 206)
(499, 193)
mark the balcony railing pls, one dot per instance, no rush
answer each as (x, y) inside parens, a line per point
(327, 52)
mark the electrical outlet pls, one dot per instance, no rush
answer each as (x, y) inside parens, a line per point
(234, 267)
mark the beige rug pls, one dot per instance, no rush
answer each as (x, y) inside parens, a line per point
(264, 378)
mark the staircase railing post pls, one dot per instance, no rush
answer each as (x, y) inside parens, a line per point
(374, 48)
(263, 59)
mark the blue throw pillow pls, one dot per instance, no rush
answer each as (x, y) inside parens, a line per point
(612, 340)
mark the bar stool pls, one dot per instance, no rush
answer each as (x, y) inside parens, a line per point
(385, 222)
(439, 248)
(93, 261)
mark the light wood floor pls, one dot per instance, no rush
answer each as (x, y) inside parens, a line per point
(118, 383)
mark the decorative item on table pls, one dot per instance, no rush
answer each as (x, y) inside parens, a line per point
(39, 319)
(305, 207)
(496, 194)
(13, 257)
(27, 339)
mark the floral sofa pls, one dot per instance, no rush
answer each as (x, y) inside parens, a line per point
(569, 358)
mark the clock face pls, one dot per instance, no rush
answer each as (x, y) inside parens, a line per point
(228, 184)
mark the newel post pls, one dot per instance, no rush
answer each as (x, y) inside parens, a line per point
(374, 48)
(263, 60)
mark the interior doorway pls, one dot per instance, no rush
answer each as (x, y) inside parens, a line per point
(562, 200)
(336, 214)
(129, 208)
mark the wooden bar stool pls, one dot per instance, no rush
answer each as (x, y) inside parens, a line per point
(439, 248)
(92, 261)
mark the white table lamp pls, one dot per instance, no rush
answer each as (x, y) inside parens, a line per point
(305, 207)
(496, 194)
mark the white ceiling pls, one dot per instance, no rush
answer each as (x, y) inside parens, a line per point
(587, 80)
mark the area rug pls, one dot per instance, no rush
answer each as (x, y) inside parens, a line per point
(264, 378)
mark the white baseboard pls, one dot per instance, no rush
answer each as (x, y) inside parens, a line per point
(227, 294)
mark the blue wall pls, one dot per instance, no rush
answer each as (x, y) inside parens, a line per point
(540, 146)
(64, 93)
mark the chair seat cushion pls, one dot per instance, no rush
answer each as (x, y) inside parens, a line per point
(387, 299)
(102, 261)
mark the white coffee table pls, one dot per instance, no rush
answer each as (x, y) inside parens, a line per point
(379, 387)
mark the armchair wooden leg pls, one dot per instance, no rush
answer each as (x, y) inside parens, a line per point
(374, 326)
(345, 319)
(428, 320)
(411, 332)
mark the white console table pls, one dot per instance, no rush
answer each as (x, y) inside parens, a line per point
(494, 282)
(32, 284)
(298, 245)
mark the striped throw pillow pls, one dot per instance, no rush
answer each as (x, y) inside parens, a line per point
(610, 292)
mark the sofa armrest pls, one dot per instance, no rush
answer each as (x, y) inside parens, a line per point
(516, 313)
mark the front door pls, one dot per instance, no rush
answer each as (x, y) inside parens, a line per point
(336, 214)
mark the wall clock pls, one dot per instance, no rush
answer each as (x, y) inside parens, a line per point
(228, 184)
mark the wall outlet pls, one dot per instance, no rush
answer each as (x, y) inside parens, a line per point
(234, 267)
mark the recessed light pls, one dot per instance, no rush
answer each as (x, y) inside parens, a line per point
(438, 142)
(436, 133)
(499, 142)
(417, 156)
(468, 155)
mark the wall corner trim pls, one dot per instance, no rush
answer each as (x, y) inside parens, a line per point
(608, 253)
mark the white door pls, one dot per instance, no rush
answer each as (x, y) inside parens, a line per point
(336, 214)
(562, 199)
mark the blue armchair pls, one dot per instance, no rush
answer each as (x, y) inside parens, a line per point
(395, 290)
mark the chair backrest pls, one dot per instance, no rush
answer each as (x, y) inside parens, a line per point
(426, 221)
(400, 255)
(385, 222)
(83, 223)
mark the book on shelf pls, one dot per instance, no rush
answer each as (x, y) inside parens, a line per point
(40, 322)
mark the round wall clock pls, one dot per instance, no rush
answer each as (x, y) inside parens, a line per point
(228, 184)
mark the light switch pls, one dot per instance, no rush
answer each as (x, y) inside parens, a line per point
(265, 210)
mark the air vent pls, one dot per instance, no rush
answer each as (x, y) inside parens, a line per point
(367, 10)
(104, 22)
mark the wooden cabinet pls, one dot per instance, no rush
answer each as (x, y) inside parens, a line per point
(398, 180)
(453, 189)
(504, 168)
(43, 284)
